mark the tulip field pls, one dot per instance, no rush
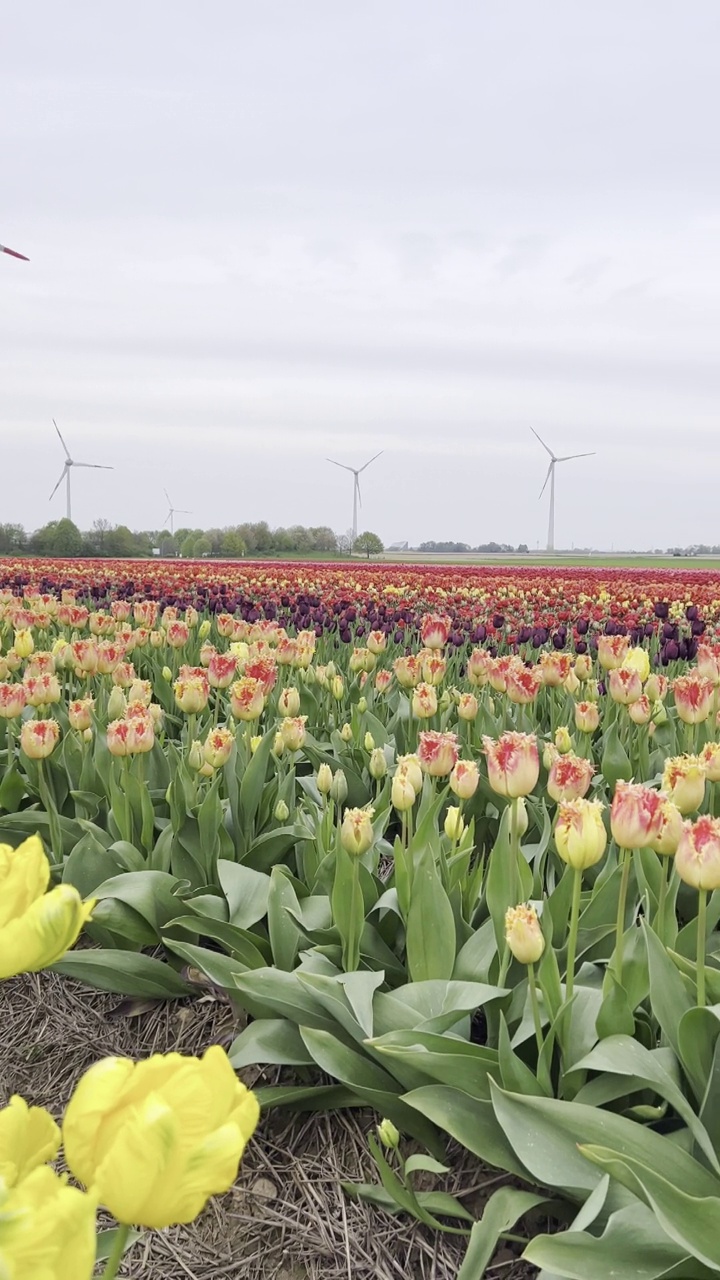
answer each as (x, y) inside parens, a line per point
(444, 843)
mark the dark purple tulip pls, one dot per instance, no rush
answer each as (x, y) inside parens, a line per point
(581, 646)
(662, 609)
(558, 641)
(399, 636)
(672, 650)
(698, 627)
(498, 621)
(669, 631)
(692, 613)
(649, 629)
(524, 634)
(581, 626)
(345, 636)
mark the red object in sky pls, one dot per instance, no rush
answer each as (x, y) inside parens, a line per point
(13, 253)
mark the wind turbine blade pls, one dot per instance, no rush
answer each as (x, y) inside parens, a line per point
(545, 447)
(568, 457)
(94, 466)
(167, 495)
(357, 486)
(57, 486)
(367, 464)
(67, 455)
(340, 464)
(182, 511)
(13, 253)
(546, 478)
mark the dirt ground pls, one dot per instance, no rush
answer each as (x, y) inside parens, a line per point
(287, 1217)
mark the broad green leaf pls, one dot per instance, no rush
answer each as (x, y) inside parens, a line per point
(430, 939)
(275, 993)
(253, 780)
(470, 1121)
(615, 762)
(698, 1033)
(669, 994)
(106, 1241)
(500, 1213)
(435, 1005)
(438, 1203)
(269, 1040)
(218, 968)
(631, 1245)
(125, 973)
(690, 1220)
(285, 937)
(515, 1074)
(348, 907)
(251, 951)
(246, 892)
(319, 1097)
(476, 956)
(545, 1134)
(444, 1058)
(622, 1055)
(154, 895)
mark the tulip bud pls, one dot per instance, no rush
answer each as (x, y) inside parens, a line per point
(289, 702)
(337, 687)
(204, 629)
(356, 832)
(218, 746)
(464, 779)
(282, 813)
(117, 704)
(24, 644)
(635, 815)
(671, 826)
(346, 733)
(410, 766)
(156, 639)
(278, 746)
(587, 717)
(196, 758)
(402, 793)
(362, 705)
(563, 741)
(292, 729)
(324, 779)
(583, 667)
(523, 934)
(454, 825)
(257, 739)
(580, 835)
(572, 684)
(369, 742)
(388, 1135)
(378, 764)
(521, 817)
(339, 788)
(467, 706)
(550, 754)
(659, 713)
(697, 859)
(640, 712)
(684, 782)
(167, 675)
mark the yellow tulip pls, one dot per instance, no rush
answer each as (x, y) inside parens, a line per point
(28, 1137)
(47, 1229)
(156, 1139)
(36, 928)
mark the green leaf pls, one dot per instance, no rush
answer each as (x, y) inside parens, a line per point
(508, 881)
(615, 1016)
(348, 907)
(622, 1055)
(430, 940)
(615, 761)
(106, 1241)
(269, 1040)
(438, 1203)
(669, 994)
(246, 891)
(219, 969)
(515, 1074)
(125, 973)
(697, 1035)
(444, 1058)
(272, 992)
(12, 790)
(501, 1212)
(434, 1005)
(319, 1097)
(285, 937)
(631, 1245)
(253, 780)
(470, 1121)
(690, 1220)
(476, 956)
(154, 895)
(252, 952)
(545, 1134)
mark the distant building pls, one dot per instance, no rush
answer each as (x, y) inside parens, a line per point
(399, 546)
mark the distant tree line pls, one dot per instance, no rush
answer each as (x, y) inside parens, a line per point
(63, 538)
(459, 547)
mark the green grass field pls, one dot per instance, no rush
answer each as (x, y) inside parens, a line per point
(580, 562)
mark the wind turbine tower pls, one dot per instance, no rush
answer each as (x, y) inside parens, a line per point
(568, 457)
(65, 473)
(357, 497)
(174, 511)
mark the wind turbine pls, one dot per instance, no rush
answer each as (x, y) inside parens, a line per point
(65, 474)
(568, 457)
(13, 253)
(174, 511)
(357, 498)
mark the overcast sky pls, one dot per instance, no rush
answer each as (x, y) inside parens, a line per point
(261, 234)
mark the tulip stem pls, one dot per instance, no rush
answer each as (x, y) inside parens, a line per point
(701, 934)
(515, 849)
(116, 1252)
(665, 867)
(572, 936)
(622, 902)
(535, 1007)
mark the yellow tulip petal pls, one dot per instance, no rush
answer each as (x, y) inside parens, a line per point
(28, 1137)
(24, 876)
(88, 1130)
(136, 1180)
(44, 933)
(47, 1230)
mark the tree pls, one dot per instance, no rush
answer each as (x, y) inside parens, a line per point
(168, 545)
(369, 543)
(233, 544)
(187, 546)
(120, 543)
(66, 539)
(12, 538)
(202, 546)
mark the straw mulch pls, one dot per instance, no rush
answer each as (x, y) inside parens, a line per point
(287, 1218)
